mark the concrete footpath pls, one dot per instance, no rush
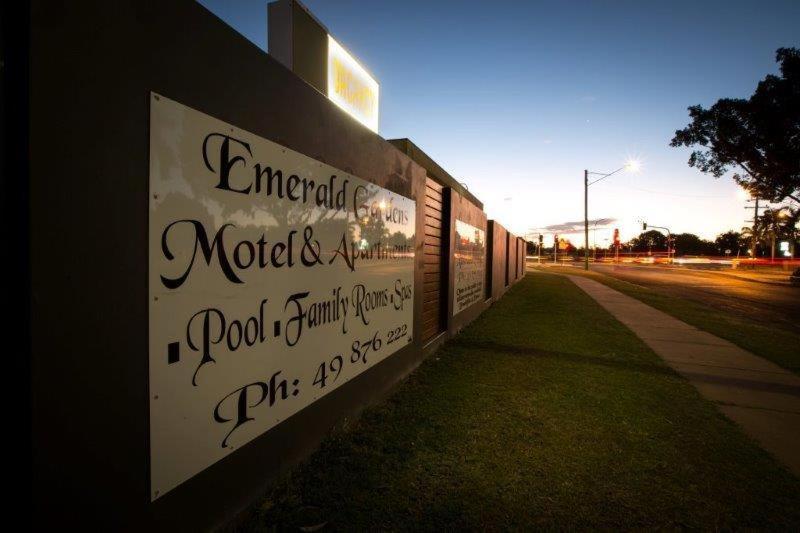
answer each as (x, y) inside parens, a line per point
(763, 398)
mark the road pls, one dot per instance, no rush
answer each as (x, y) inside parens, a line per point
(767, 303)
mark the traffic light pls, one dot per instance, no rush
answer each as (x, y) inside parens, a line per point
(644, 226)
(541, 239)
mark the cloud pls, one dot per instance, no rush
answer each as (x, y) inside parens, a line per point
(575, 227)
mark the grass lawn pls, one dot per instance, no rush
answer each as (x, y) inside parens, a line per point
(774, 343)
(545, 413)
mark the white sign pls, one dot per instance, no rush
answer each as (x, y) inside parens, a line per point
(470, 266)
(273, 279)
(351, 87)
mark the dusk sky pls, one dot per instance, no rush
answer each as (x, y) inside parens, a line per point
(515, 99)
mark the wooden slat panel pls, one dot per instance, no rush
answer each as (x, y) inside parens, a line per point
(433, 222)
(435, 232)
(432, 328)
(432, 284)
(431, 277)
(433, 267)
(430, 296)
(431, 204)
(430, 287)
(432, 259)
(430, 323)
(432, 196)
(431, 312)
(432, 184)
(433, 190)
(431, 240)
(429, 333)
(428, 291)
(436, 197)
(430, 214)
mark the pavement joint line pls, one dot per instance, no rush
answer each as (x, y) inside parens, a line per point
(755, 386)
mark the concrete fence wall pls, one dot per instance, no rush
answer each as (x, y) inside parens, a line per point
(92, 70)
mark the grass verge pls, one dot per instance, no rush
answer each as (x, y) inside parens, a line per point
(545, 413)
(773, 343)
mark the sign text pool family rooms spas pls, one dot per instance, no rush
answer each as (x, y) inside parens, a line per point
(470, 266)
(273, 279)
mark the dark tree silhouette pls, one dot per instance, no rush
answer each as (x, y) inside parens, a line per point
(691, 244)
(759, 136)
(648, 241)
(730, 240)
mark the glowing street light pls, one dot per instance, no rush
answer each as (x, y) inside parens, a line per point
(631, 165)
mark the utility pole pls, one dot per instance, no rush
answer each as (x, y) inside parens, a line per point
(754, 229)
(586, 220)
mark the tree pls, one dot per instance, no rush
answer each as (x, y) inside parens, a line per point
(649, 241)
(753, 235)
(770, 222)
(730, 240)
(691, 244)
(759, 136)
(779, 224)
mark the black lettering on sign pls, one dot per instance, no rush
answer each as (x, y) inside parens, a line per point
(226, 162)
(230, 153)
(244, 255)
(243, 400)
(214, 328)
(365, 301)
(297, 317)
(240, 396)
(206, 248)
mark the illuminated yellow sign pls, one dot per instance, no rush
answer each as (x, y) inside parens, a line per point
(351, 87)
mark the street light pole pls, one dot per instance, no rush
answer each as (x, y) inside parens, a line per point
(632, 165)
(586, 220)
